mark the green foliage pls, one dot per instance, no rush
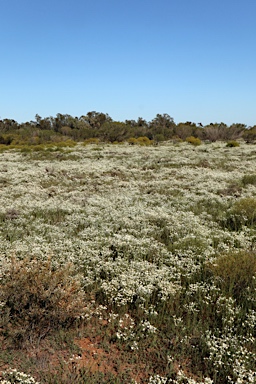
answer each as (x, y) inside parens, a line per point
(26, 149)
(50, 216)
(144, 140)
(249, 135)
(38, 298)
(162, 125)
(65, 144)
(232, 143)
(188, 129)
(249, 180)
(6, 139)
(132, 141)
(92, 140)
(243, 212)
(235, 274)
(159, 137)
(102, 126)
(212, 207)
(193, 140)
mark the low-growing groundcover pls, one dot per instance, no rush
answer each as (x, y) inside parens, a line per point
(128, 264)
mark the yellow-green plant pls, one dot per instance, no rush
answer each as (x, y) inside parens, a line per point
(193, 140)
(232, 143)
(66, 143)
(249, 179)
(132, 140)
(243, 212)
(235, 274)
(144, 140)
(92, 140)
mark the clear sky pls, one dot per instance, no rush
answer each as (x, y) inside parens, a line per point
(192, 59)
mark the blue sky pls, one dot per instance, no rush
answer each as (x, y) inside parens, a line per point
(192, 59)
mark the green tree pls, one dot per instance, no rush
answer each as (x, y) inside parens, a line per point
(162, 124)
(96, 119)
(249, 135)
(113, 131)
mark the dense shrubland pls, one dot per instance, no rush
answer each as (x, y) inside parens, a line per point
(100, 126)
(147, 252)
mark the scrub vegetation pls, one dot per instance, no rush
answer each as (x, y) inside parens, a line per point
(95, 126)
(127, 262)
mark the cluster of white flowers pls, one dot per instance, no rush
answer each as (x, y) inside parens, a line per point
(126, 329)
(182, 378)
(147, 327)
(243, 375)
(136, 222)
(227, 350)
(157, 379)
(14, 376)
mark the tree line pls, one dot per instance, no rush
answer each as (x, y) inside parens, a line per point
(101, 126)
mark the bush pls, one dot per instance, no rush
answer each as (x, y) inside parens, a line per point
(144, 140)
(26, 149)
(243, 212)
(38, 148)
(7, 140)
(37, 298)
(193, 140)
(159, 137)
(232, 143)
(92, 140)
(132, 141)
(66, 143)
(235, 275)
(249, 180)
(249, 135)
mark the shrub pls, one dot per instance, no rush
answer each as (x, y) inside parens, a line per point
(249, 179)
(243, 212)
(6, 139)
(193, 140)
(92, 140)
(117, 142)
(235, 274)
(37, 298)
(232, 143)
(132, 141)
(159, 137)
(249, 135)
(176, 140)
(26, 149)
(67, 143)
(38, 148)
(144, 140)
